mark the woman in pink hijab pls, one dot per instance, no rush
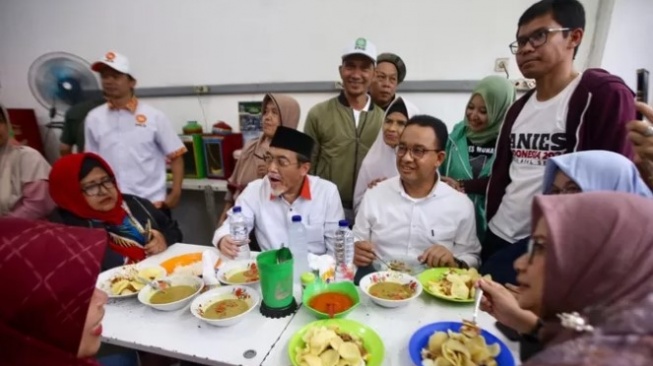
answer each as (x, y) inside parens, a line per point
(587, 278)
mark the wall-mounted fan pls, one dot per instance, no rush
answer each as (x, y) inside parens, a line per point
(59, 80)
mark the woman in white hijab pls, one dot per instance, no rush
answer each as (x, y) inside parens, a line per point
(381, 162)
(23, 177)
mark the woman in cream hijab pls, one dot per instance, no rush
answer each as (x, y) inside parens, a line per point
(23, 177)
(278, 110)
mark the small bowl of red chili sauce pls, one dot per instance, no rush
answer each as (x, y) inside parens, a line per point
(333, 300)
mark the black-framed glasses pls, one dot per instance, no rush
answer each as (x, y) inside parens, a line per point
(281, 161)
(417, 152)
(536, 39)
(534, 248)
(93, 189)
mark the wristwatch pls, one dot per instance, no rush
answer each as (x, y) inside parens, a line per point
(533, 335)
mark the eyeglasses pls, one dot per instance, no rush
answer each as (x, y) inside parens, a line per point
(417, 152)
(281, 161)
(536, 39)
(107, 183)
(534, 248)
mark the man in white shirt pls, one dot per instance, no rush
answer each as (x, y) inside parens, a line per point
(268, 204)
(133, 137)
(415, 214)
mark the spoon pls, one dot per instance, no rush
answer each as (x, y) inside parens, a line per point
(156, 284)
(330, 310)
(477, 304)
(283, 255)
(383, 261)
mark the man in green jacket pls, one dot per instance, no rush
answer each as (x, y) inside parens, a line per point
(345, 127)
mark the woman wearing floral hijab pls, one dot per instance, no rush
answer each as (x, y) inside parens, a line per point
(585, 283)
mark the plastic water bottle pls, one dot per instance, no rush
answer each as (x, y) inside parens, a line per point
(298, 246)
(239, 233)
(344, 252)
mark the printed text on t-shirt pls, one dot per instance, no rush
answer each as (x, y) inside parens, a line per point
(536, 148)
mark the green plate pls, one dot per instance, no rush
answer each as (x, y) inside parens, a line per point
(371, 341)
(435, 274)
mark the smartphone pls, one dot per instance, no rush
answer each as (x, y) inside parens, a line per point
(642, 89)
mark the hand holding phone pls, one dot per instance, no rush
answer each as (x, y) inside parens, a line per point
(642, 89)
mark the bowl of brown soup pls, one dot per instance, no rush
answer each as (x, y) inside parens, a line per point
(225, 306)
(176, 292)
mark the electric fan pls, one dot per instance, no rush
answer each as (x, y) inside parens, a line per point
(59, 80)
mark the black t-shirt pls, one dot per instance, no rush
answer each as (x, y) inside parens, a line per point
(479, 155)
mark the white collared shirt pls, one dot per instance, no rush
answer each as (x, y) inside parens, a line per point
(136, 146)
(319, 206)
(399, 225)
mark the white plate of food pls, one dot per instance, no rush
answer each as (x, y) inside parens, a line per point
(127, 281)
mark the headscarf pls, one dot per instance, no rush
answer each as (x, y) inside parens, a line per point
(597, 170)
(498, 94)
(127, 236)
(381, 160)
(48, 276)
(67, 194)
(18, 165)
(245, 170)
(599, 263)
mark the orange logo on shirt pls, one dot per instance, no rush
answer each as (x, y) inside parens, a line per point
(141, 119)
(110, 56)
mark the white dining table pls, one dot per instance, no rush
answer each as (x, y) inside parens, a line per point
(178, 334)
(258, 340)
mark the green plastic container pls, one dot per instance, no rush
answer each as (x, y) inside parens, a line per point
(276, 279)
(318, 287)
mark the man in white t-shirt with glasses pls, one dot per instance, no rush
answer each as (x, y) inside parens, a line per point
(568, 111)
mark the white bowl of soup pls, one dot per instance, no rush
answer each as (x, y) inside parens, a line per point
(390, 289)
(239, 272)
(225, 306)
(176, 293)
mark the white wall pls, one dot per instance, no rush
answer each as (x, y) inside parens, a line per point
(172, 42)
(629, 44)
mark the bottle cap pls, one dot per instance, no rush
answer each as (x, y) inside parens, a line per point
(296, 218)
(236, 209)
(307, 278)
(343, 223)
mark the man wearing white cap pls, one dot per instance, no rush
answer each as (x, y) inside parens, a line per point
(133, 137)
(345, 127)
